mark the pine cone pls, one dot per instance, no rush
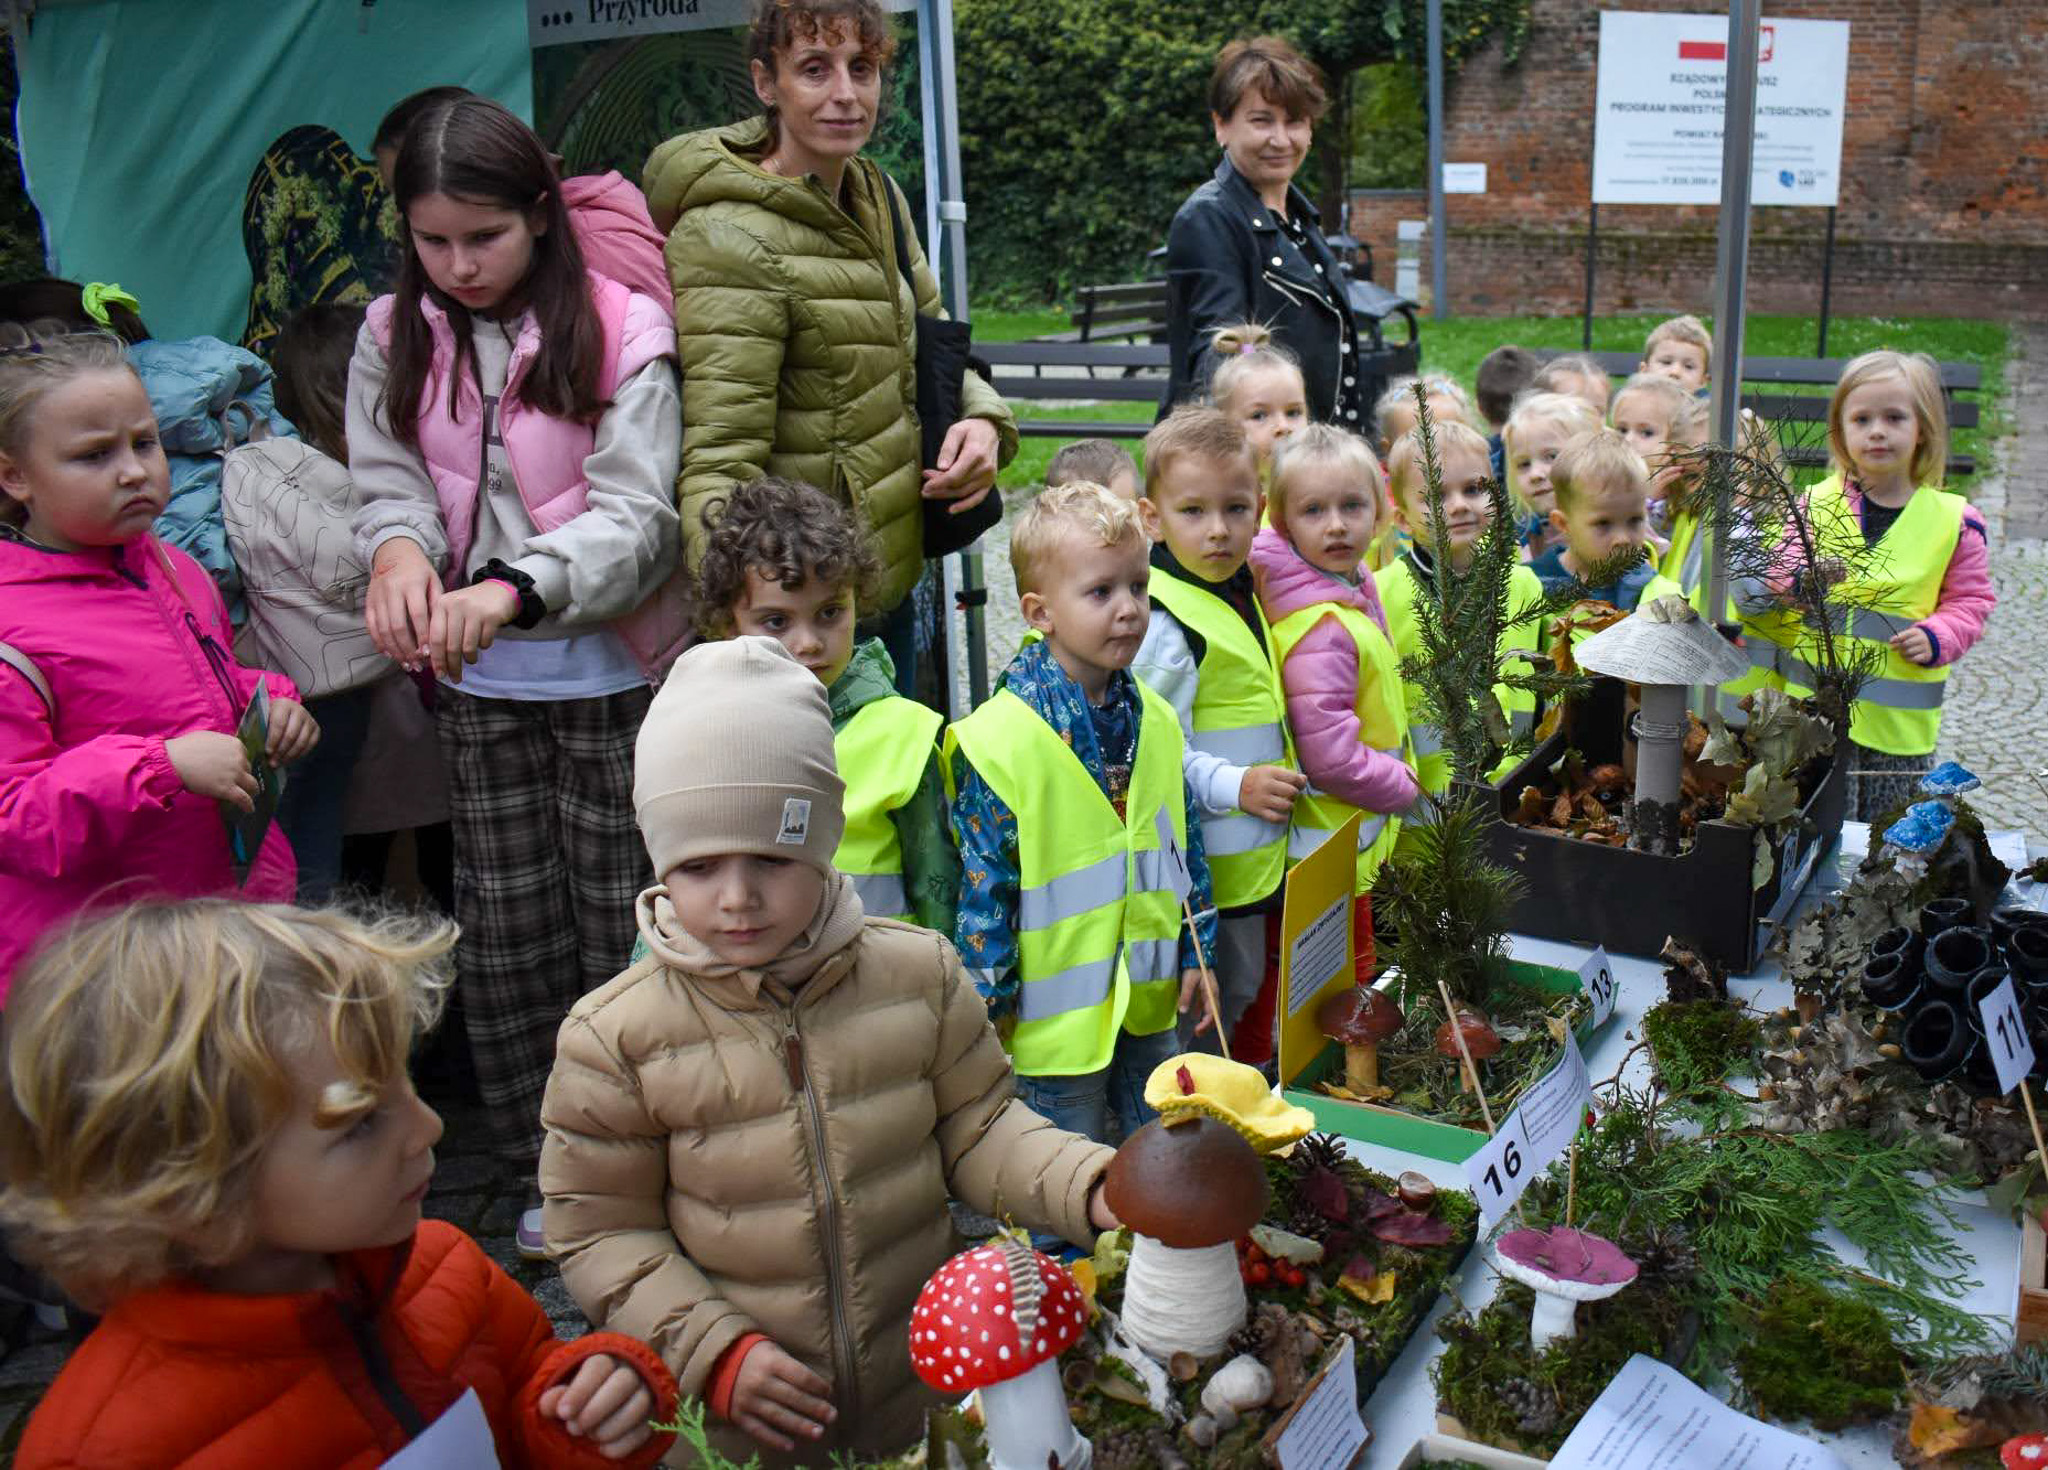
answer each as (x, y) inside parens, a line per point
(1311, 1224)
(1318, 1150)
(1666, 1258)
(1255, 1337)
(1534, 1406)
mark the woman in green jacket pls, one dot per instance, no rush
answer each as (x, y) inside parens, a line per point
(796, 328)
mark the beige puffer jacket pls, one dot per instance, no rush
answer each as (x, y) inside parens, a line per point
(724, 1158)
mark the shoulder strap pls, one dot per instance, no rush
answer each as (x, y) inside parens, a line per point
(896, 229)
(25, 666)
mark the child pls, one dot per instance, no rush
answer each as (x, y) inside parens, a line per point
(1504, 375)
(1602, 512)
(1917, 590)
(1208, 652)
(787, 561)
(211, 1137)
(1576, 375)
(1682, 350)
(1337, 667)
(1467, 511)
(753, 1133)
(1536, 431)
(1393, 417)
(1100, 462)
(1257, 382)
(1653, 414)
(119, 698)
(1069, 804)
(514, 429)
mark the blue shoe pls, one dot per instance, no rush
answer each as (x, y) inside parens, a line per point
(531, 1239)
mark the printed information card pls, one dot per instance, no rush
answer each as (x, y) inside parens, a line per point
(1652, 1417)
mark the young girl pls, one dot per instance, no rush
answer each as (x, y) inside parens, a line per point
(787, 561)
(1534, 436)
(119, 698)
(1578, 376)
(514, 430)
(210, 1136)
(1655, 415)
(1337, 667)
(1257, 382)
(1904, 561)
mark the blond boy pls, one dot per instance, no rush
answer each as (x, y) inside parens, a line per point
(1602, 492)
(1681, 349)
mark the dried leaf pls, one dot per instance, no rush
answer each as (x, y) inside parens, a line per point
(1766, 798)
(1534, 810)
(1939, 1430)
(1765, 862)
(1723, 746)
(1376, 1290)
(1084, 1277)
(1324, 1193)
(1410, 1229)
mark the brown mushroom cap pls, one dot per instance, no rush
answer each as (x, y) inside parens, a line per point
(1480, 1039)
(1359, 1015)
(1191, 1183)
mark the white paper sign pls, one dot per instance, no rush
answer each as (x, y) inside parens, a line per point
(1464, 178)
(1325, 1432)
(1662, 92)
(1652, 1417)
(1318, 955)
(557, 22)
(459, 1440)
(2012, 1052)
(1597, 975)
(1541, 1127)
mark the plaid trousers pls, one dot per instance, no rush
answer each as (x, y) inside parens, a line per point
(548, 861)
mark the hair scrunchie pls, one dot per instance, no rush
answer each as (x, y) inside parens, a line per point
(97, 296)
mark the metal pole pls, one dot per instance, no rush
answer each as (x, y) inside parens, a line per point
(1731, 268)
(1439, 306)
(1592, 256)
(1827, 282)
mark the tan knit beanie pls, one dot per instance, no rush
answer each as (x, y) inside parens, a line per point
(736, 756)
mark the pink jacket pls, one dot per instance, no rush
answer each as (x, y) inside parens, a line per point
(90, 799)
(1320, 678)
(609, 216)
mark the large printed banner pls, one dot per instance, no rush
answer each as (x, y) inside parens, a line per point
(561, 22)
(1662, 92)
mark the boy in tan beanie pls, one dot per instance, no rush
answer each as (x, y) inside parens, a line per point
(753, 1132)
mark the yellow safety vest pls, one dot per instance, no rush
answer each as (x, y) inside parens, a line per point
(1899, 711)
(882, 751)
(1098, 899)
(1382, 724)
(1240, 717)
(1764, 635)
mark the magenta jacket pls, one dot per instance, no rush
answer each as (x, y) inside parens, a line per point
(90, 800)
(609, 216)
(1320, 678)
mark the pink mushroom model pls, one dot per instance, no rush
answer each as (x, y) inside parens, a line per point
(1563, 1267)
(994, 1320)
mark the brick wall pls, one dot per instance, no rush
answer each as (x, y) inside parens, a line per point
(1944, 200)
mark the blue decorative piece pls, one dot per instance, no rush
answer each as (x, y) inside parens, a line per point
(1922, 828)
(1948, 779)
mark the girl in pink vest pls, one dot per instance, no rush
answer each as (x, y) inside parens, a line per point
(514, 430)
(119, 697)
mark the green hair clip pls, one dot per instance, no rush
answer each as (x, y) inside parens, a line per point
(97, 296)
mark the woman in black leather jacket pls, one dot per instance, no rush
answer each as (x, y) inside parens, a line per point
(1246, 245)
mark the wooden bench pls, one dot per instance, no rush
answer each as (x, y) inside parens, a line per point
(1017, 371)
(1130, 310)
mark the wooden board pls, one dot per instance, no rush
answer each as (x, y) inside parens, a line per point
(2031, 1324)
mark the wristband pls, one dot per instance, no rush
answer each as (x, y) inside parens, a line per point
(531, 608)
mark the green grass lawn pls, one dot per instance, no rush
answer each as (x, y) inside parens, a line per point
(1456, 347)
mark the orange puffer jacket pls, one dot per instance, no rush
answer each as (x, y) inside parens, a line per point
(330, 1380)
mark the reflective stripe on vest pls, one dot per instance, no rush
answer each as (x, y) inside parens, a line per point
(1382, 718)
(1099, 900)
(1899, 711)
(1238, 718)
(1425, 740)
(882, 751)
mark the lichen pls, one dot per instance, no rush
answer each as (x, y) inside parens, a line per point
(1816, 1356)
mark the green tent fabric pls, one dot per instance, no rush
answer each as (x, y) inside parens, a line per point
(142, 121)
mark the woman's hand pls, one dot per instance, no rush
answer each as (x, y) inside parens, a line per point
(215, 765)
(775, 1398)
(293, 732)
(966, 467)
(605, 1401)
(400, 607)
(465, 622)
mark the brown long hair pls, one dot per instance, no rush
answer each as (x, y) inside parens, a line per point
(310, 358)
(471, 149)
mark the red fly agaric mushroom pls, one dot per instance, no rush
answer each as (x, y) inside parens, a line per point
(1188, 1187)
(995, 1320)
(1359, 1018)
(2024, 1452)
(1481, 1042)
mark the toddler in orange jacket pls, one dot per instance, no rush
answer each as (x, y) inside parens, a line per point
(207, 1130)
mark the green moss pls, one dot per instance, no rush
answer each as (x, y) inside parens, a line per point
(1815, 1356)
(1697, 1043)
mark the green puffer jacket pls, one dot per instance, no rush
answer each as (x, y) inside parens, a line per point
(797, 338)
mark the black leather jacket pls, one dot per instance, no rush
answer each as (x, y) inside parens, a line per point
(1229, 260)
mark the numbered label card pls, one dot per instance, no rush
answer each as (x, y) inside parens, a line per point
(1540, 1128)
(2012, 1053)
(1597, 975)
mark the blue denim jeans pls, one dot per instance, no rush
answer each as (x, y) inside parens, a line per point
(315, 789)
(1088, 1103)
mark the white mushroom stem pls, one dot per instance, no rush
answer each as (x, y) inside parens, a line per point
(1182, 1301)
(1556, 1316)
(1026, 1425)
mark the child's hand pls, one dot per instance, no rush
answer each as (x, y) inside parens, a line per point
(1100, 1215)
(604, 1401)
(293, 732)
(775, 1397)
(400, 606)
(215, 765)
(465, 622)
(1268, 792)
(1914, 646)
(1190, 989)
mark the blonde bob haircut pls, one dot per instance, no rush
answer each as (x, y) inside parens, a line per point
(1688, 329)
(1193, 432)
(1326, 444)
(1567, 411)
(1930, 410)
(1404, 460)
(1081, 510)
(1593, 461)
(1682, 409)
(150, 1059)
(1399, 397)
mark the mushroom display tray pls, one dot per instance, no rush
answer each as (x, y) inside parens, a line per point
(2032, 1321)
(1631, 902)
(1392, 1127)
(1450, 1449)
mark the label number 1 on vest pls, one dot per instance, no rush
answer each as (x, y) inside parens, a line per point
(2012, 1053)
